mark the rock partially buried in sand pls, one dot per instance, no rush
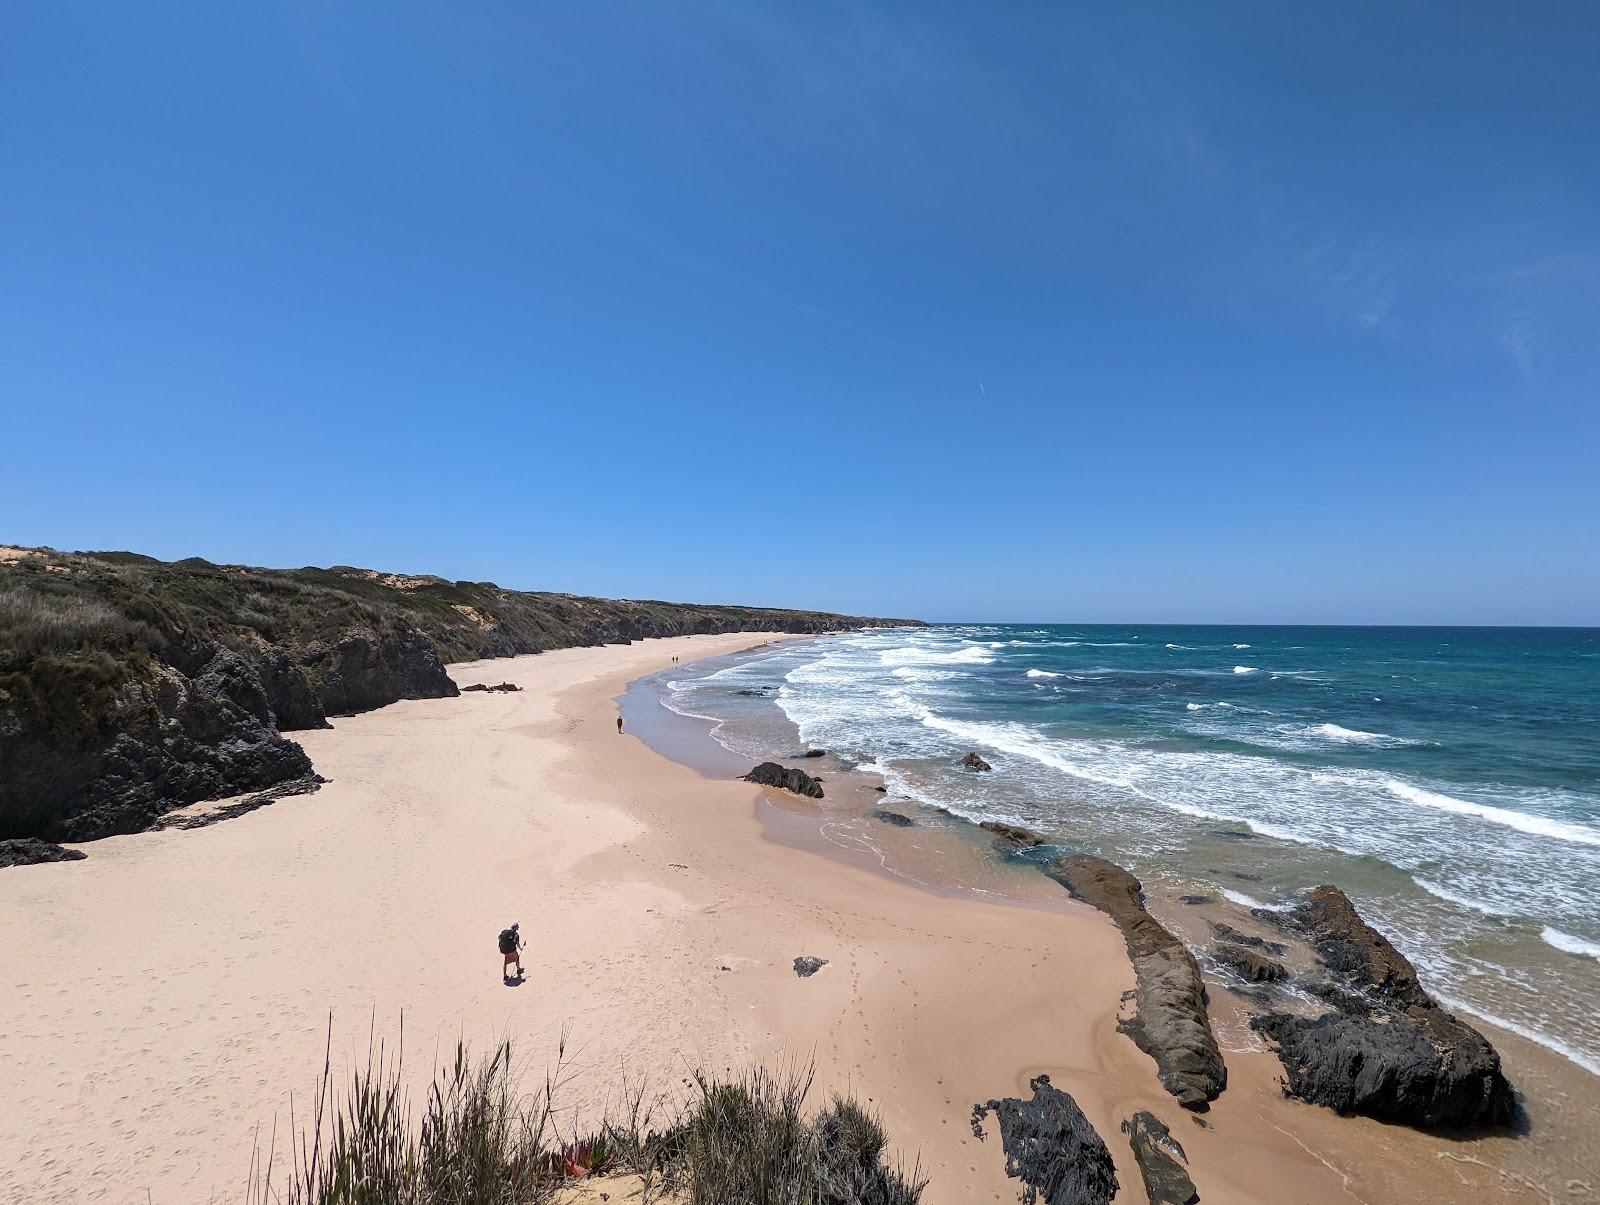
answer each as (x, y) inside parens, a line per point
(973, 762)
(504, 687)
(815, 753)
(1051, 1147)
(1194, 901)
(806, 966)
(1162, 1163)
(1172, 1026)
(894, 818)
(771, 774)
(1389, 1051)
(26, 851)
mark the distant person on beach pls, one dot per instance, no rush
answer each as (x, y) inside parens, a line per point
(511, 947)
(619, 723)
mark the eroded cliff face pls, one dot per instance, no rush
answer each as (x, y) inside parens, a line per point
(130, 686)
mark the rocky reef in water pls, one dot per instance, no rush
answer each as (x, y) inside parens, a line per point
(1387, 1050)
(131, 686)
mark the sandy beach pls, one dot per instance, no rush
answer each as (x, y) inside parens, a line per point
(164, 997)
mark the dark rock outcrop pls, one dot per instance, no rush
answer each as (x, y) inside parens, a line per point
(894, 818)
(1388, 1051)
(1249, 964)
(367, 669)
(1171, 1026)
(807, 966)
(1352, 948)
(1010, 838)
(815, 753)
(1051, 1147)
(1194, 901)
(1162, 1164)
(771, 774)
(293, 700)
(157, 738)
(25, 851)
(502, 688)
(973, 762)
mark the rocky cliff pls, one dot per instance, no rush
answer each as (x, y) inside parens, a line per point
(130, 686)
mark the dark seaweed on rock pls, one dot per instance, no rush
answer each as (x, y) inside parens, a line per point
(131, 686)
(1172, 1026)
(1389, 1051)
(1051, 1147)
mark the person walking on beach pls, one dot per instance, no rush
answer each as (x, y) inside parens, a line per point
(619, 723)
(511, 948)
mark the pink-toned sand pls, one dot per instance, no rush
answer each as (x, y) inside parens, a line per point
(163, 998)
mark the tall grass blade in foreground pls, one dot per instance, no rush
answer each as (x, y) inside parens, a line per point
(475, 1141)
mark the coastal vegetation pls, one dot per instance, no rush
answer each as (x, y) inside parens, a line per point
(130, 686)
(745, 1139)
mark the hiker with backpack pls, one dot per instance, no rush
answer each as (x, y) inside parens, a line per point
(510, 946)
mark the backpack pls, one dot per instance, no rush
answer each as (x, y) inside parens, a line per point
(508, 941)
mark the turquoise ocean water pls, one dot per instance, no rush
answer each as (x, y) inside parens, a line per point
(1449, 779)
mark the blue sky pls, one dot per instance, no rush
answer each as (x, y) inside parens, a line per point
(1275, 313)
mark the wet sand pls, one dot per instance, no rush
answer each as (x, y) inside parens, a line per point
(166, 995)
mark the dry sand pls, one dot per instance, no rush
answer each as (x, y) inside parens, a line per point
(163, 997)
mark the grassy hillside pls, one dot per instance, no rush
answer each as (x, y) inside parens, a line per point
(129, 686)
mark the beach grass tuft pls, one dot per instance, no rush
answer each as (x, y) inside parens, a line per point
(745, 1139)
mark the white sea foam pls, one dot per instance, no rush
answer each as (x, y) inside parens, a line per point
(1022, 741)
(1464, 901)
(1351, 736)
(1569, 944)
(1523, 822)
(1042, 673)
(1179, 646)
(914, 655)
(1245, 669)
(1240, 898)
(1241, 646)
(1587, 1061)
(911, 673)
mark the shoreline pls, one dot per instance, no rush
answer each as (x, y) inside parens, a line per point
(220, 952)
(1556, 1076)
(685, 734)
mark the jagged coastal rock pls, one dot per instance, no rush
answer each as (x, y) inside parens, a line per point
(25, 851)
(1051, 1147)
(1172, 1026)
(502, 688)
(131, 686)
(1162, 1164)
(894, 818)
(1388, 1051)
(973, 762)
(806, 966)
(771, 774)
